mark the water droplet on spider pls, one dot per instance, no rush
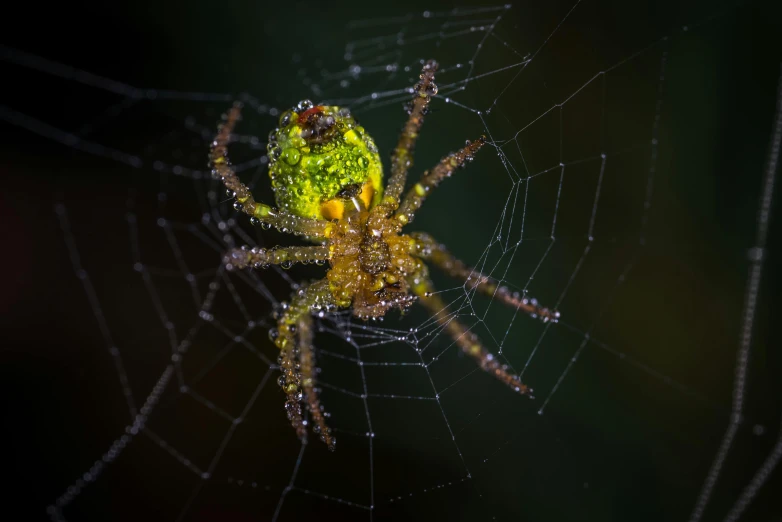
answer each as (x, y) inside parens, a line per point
(291, 156)
(230, 193)
(282, 381)
(266, 226)
(238, 206)
(303, 105)
(286, 264)
(285, 119)
(298, 396)
(236, 256)
(254, 221)
(431, 89)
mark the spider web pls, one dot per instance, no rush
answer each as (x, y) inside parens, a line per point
(608, 190)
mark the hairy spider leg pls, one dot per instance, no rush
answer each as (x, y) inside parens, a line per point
(402, 158)
(260, 214)
(257, 257)
(432, 178)
(296, 359)
(308, 382)
(465, 339)
(430, 250)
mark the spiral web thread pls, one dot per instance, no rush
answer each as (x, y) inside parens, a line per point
(237, 306)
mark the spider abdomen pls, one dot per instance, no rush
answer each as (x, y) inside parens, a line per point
(315, 154)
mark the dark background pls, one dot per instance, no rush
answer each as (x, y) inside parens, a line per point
(634, 427)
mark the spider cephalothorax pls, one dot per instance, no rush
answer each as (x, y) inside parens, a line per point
(327, 180)
(370, 263)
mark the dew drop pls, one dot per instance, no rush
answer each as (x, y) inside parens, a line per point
(303, 105)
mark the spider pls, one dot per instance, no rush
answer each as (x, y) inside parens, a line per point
(327, 180)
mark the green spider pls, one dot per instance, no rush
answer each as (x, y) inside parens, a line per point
(327, 180)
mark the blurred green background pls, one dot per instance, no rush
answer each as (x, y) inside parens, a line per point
(632, 430)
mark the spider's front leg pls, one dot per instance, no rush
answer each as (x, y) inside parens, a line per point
(468, 341)
(308, 370)
(293, 336)
(430, 250)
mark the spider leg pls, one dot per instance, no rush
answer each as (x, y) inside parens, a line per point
(402, 158)
(259, 213)
(296, 360)
(263, 257)
(430, 250)
(307, 361)
(432, 178)
(462, 336)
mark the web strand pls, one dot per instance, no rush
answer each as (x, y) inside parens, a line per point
(575, 195)
(752, 291)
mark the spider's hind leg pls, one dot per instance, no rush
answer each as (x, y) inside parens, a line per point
(402, 157)
(293, 337)
(259, 213)
(432, 178)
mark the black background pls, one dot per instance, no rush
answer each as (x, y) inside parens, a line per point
(615, 444)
